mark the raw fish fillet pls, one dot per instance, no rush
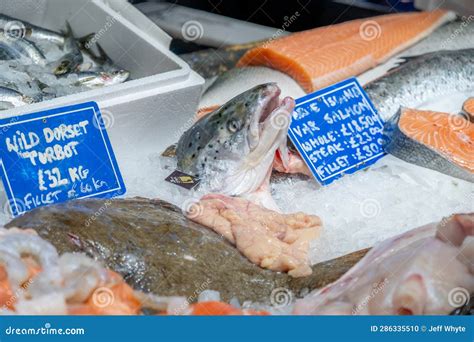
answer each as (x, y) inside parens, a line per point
(468, 107)
(439, 141)
(320, 57)
(279, 242)
(428, 270)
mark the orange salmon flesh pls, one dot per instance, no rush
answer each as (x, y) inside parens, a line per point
(320, 57)
(450, 135)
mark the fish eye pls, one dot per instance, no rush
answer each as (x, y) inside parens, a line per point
(234, 125)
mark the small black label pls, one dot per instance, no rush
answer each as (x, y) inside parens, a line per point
(182, 179)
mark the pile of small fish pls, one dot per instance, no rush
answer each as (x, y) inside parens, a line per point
(37, 64)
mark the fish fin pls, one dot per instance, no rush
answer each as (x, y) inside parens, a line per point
(102, 54)
(68, 32)
(401, 61)
(85, 40)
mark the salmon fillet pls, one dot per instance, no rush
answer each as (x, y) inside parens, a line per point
(320, 57)
(449, 135)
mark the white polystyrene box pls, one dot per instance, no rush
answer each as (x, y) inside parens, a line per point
(150, 110)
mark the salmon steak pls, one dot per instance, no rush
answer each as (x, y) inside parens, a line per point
(440, 141)
(468, 108)
(320, 57)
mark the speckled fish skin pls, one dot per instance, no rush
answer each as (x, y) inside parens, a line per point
(422, 79)
(404, 147)
(217, 135)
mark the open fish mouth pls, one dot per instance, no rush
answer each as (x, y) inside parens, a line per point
(268, 133)
(273, 114)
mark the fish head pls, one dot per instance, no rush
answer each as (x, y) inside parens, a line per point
(63, 67)
(232, 149)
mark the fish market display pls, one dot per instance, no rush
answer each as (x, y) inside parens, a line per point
(440, 76)
(439, 141)
(279, 242)
(37, 64)
(419, 272)
(158, 250)
(232, 149)
(323, 56)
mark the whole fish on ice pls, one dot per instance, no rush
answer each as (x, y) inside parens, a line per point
(38, 64)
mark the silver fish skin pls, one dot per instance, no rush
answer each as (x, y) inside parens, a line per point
(403, 147)
(11, 98)
(100, 79)
(24, 29)
(21, 48)
(455, 35)
(423, 79)
(232, 149)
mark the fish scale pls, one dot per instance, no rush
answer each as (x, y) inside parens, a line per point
(423, 79)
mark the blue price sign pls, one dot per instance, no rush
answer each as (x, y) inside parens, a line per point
(56, 155)
(337, 130)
